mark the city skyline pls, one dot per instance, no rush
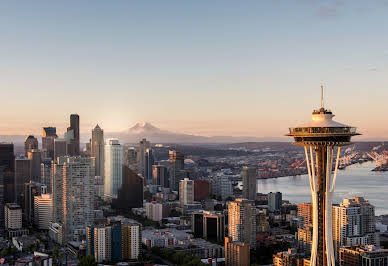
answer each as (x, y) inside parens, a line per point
(231, 69)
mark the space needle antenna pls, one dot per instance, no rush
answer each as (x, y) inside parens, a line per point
(322, 102)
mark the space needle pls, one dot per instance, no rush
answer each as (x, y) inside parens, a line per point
(322, 139)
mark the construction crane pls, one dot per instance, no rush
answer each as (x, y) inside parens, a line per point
(379, 159)
(295, 165)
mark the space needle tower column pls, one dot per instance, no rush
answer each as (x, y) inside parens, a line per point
(322, 139)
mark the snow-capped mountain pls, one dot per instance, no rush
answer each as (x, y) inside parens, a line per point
(146, 130)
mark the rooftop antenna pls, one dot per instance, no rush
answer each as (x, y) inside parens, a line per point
(322, 102)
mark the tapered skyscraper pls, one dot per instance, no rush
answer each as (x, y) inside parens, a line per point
(322, 139)
(97, 149)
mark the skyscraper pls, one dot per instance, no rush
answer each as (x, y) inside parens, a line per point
(22, 175)
(242, 221)
(48, 138)
(148, 163)
(59, 148)
(74, 125)
(159, 175)
(177, 166)
(31, 143)
(354, 223)
(249, 182)
(274, 201)
(75, 207)
(45, 172)
(186, 191)
(143, 146)
(7, 177)
(320, 137)
(130, 182)
(35, 157)
(113, 168)
(97, 149)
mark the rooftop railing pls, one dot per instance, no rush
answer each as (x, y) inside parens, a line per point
(322, 130)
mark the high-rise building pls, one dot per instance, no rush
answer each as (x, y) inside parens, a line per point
(177, 166)
(7, 177)
(31, 190)
(49, 132)
(13, 216)
(274, 201)
(186, 191)
(43, 209)
(48, 138)
(97, 149)
(221, 186)
(305, 239)
(130, 158)
(74, 126)
(237, 253)
(148, 163)
(201, 190)
(130, 182)
(113, 168)
(22, 175)
(31, 143)
(35, 157)
(59, 148)
(249, 177)
(242, 221)
(131, 241)
(73, 194)
(45, 172)
(322, 138)
(78, 195)
(354, 223)
(104, 242)
(143, 146)
(160, 176)
(305, 213)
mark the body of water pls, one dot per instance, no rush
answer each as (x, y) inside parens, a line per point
(355, 180)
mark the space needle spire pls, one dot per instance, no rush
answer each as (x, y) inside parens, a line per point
(322, 139)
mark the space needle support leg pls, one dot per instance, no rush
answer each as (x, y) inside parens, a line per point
(314, 196)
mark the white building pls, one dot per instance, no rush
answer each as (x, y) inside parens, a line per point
(242, 221)
(113, 168)
(43, 210)
(354, 223)
(73, 195)
(12, 216)
(155, 211)
(102, 243)
(186, 191)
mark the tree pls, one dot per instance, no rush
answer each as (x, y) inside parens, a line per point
(87, 261)
(4, 252)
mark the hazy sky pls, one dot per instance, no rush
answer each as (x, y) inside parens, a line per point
(201, 67)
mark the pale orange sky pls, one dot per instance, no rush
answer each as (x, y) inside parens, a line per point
(206, 68)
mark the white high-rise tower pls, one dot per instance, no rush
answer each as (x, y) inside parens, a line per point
(113, 168)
